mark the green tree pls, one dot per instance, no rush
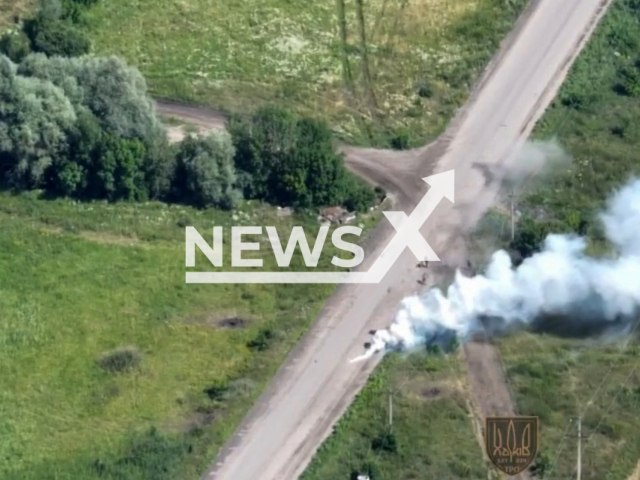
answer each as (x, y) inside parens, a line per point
(51, 33)
(204, 172)
(15, 45)
(263, 145)
(108, 97)
(34, 119)
(114, 92)
(117, 170)
(290, 161)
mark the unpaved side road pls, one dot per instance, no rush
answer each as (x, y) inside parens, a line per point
(317, 383)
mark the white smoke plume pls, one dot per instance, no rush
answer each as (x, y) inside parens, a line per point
(539, 159)
(559, 289)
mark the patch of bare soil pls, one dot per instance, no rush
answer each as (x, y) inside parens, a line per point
(233, 322)
(431, 393)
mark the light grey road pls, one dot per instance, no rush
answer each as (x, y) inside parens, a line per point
(317, 383)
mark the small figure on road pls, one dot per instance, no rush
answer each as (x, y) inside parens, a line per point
(423, 264)
(423, 280)
(470, 269)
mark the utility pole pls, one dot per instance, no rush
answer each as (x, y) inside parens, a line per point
(390, 409)
(578, 469)
(513, 217)
(579, 466)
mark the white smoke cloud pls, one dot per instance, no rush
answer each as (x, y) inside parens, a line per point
(560, 289)
(539, 159)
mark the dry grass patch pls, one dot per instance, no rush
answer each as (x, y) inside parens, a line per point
(235, 55)
(10, 10)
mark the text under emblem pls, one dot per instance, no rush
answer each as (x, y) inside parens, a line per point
(511, 442)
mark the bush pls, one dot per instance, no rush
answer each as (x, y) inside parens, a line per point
(359, 196)
(400, 141)
(629, 80)
(529, 237)
(263, 340)
(217, 391)
(54, 36)
(110, 89)
(116, 172)
(52, 31)
(204, 174)
(424, 89)
(15, 45)
(541, 465)
(290, 161)
(385, 443)
(120, 360)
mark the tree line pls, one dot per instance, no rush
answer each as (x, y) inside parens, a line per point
(85, 127)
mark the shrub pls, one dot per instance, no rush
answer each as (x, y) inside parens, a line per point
(424, 89)
(400, 141)
(120, 360)
(52, 35)
(385, 443)
(541, 465)
(263, 340)
(529, 237)
(217, 391)
(15, 45)
(204, 174)
(359, 196)
(629, 80)
(286, 160)
(116, 172)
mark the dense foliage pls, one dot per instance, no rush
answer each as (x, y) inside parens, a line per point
(204, 174)
(82, 127)
(86, 128)
(287, 160)
(53, 30)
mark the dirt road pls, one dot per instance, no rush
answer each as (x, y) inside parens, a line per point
(317, 383)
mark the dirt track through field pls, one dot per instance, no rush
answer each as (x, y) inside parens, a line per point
(317, 383)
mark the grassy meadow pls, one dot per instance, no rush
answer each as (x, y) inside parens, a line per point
(395, 77)
(559, 379)
(595, 118)
(111, 366)
(433, 433)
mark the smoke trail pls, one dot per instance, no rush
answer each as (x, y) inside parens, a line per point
(559, 289)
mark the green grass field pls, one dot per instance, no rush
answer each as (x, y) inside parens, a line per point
(432, 427)
(84, 279)
(421, 56)
(559, 379)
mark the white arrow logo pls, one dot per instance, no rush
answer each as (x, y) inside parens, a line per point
(407, 235)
